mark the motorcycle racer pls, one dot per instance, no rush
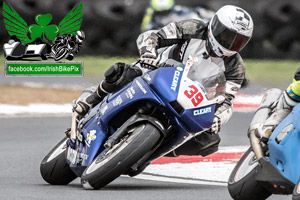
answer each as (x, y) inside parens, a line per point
(280, 108)
(162, 12)
(218, 41)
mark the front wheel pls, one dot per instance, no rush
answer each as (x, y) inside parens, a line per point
(242, 184)
(54, 167)
(116, 161)
(296, 192)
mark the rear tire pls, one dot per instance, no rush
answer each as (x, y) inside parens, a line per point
(296, 192)
(54, 167)
(242, 184)
(109, 165)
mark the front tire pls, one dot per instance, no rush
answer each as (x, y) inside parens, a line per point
(116, 161)
(296, 192)
(242, 184)
(54, 167)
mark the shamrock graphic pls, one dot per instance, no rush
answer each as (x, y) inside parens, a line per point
(42, 29)
(16, 26)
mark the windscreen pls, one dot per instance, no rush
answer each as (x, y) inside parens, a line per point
(209, 77)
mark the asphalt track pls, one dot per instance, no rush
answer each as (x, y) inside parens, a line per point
(25, 141)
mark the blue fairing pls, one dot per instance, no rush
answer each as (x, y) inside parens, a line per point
(285, 156)
(155, 87)
(198, 122)
(162, 81)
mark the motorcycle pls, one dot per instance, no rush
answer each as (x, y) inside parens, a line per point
(272, 167)
(146, 119)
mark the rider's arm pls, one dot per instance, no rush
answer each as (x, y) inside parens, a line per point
(235, 75)
(173, 33)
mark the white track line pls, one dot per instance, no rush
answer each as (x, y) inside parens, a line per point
(154, 177)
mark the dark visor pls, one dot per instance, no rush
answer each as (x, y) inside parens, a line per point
(226, 37)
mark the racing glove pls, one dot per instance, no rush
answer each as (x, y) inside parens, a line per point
(222, 115)
(148, 53)
(216, 126)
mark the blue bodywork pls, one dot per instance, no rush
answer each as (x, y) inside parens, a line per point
(154, 87)
(285, 155)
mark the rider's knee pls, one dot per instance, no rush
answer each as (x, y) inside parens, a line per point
(119, 75)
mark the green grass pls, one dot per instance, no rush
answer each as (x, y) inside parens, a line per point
(271, 72)
(265, 72)
(96, 66)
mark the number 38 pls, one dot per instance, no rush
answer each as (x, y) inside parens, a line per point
(194, 94)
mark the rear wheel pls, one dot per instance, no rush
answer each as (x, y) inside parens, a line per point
(54, 167)
(116, 161)
(296, 192)
(242, 184)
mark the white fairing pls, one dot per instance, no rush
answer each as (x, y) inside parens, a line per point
(192, 93)
(8, 48)
(36, 48)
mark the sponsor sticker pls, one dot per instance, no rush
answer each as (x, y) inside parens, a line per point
(91, 136)
(71, 155)
(103, 110)
(141, 87)
(147, 77)
(130, 93)
(176, 78)
(202, 111)
(118, 101)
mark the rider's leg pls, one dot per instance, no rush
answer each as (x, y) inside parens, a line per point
(204, 144)
(281, 109)
(116, 76)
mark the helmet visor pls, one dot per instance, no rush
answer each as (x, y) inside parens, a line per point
(226, 37)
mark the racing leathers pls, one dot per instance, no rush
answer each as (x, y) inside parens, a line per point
(279, 108)
(183, 39)
(173, 45)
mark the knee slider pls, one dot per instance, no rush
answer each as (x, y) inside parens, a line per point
(119, 75)
(114, 72)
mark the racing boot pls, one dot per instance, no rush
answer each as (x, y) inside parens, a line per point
(88, 99)
(204, 144)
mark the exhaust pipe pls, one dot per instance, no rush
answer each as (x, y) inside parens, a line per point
(259, 118)
(256, 145)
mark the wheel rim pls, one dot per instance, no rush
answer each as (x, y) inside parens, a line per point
(246, 167)
(101, 160)
(61, 148)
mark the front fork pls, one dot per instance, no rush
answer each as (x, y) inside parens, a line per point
(72, 147)
(73, 132)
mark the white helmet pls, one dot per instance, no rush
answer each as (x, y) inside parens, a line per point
(229, 30)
